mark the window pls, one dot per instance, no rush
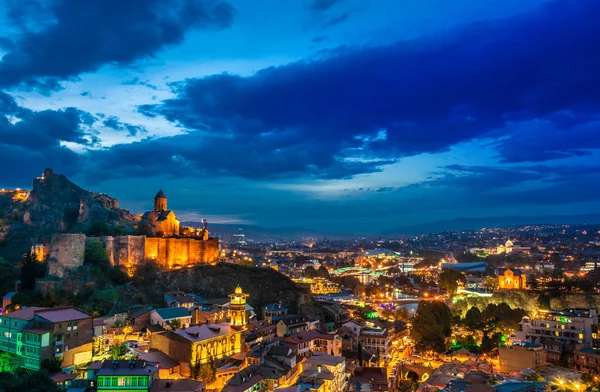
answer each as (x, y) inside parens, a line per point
(76, 334)
(68, 336)
(59, 325)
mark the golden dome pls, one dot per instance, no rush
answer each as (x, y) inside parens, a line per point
(238, 290)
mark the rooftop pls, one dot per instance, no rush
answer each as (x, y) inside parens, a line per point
(201, 332)
(275, 307)
(126, 368)
(58, 315)
(23, 314)
(173, 313)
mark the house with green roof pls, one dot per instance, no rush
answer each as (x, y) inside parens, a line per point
(165, 317)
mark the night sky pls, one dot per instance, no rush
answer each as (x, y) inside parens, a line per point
(340, 115)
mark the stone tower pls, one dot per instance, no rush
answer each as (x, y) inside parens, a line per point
(237, 308)
(160, 201)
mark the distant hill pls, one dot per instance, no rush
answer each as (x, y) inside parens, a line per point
(479, 223)
(259, 233)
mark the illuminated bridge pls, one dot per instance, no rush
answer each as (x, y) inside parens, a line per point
(356, 271)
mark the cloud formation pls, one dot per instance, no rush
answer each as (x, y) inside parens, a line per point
(31, 141)
(321, 117)
(71, 37)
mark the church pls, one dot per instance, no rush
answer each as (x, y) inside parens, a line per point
(161, 222)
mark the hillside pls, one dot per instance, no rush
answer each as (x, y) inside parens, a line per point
(55, 205)
(264, 285)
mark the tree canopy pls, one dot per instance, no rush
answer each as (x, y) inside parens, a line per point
(450, 280)
(431, 325)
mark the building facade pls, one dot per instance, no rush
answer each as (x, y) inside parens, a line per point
(34, 334)
(521, 356)
(237, 308)
(512, 279)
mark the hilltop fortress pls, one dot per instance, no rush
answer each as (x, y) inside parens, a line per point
(171, 245)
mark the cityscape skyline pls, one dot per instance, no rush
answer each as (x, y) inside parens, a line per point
(329, 114)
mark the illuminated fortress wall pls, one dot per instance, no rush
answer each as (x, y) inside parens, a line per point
(68, 251)
(181, 252)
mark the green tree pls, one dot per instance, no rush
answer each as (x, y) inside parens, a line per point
(118, 351)
(431, 325)
(117, 275)
(52, 365)
(310, 272)
(31, 382)
(473, 318)
(31, 269)
(208, 371)
(450, 280)
(175, 324)
(96, 255)
(322, 272)
(146, 274)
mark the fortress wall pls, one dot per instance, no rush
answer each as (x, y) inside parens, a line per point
(66, 251)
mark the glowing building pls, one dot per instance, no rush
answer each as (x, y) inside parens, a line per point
(237, 308)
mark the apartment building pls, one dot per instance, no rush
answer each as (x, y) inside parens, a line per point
(34, 334)
(521, 356)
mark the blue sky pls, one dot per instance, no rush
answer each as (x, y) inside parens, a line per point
(341, 115)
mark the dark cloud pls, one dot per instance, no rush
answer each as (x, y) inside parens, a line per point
(84, 35)
(30, 140)
(323, 5)
(332, 115)
(113, 122)
(138, 82)
(335, 20)
(486, 187)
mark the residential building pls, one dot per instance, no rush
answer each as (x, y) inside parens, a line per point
(336, 314)
(375, 340)
(328, 368)
(35, 334)
(180, 299)
(587, 360)
(521, 356)
(570, 326)
(125, 376)
(165, 316)
(292, 324)
(369, 379)
(139, 318)
(246, 380)
(307, 342)
(198, 344)
(274, 312)
(512, 279)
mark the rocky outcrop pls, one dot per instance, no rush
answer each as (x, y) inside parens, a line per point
(56, 205)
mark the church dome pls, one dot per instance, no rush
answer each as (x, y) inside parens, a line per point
(238, 290)
(508, 244)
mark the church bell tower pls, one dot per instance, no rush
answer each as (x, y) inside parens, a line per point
(160, 201)
(237, 308)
